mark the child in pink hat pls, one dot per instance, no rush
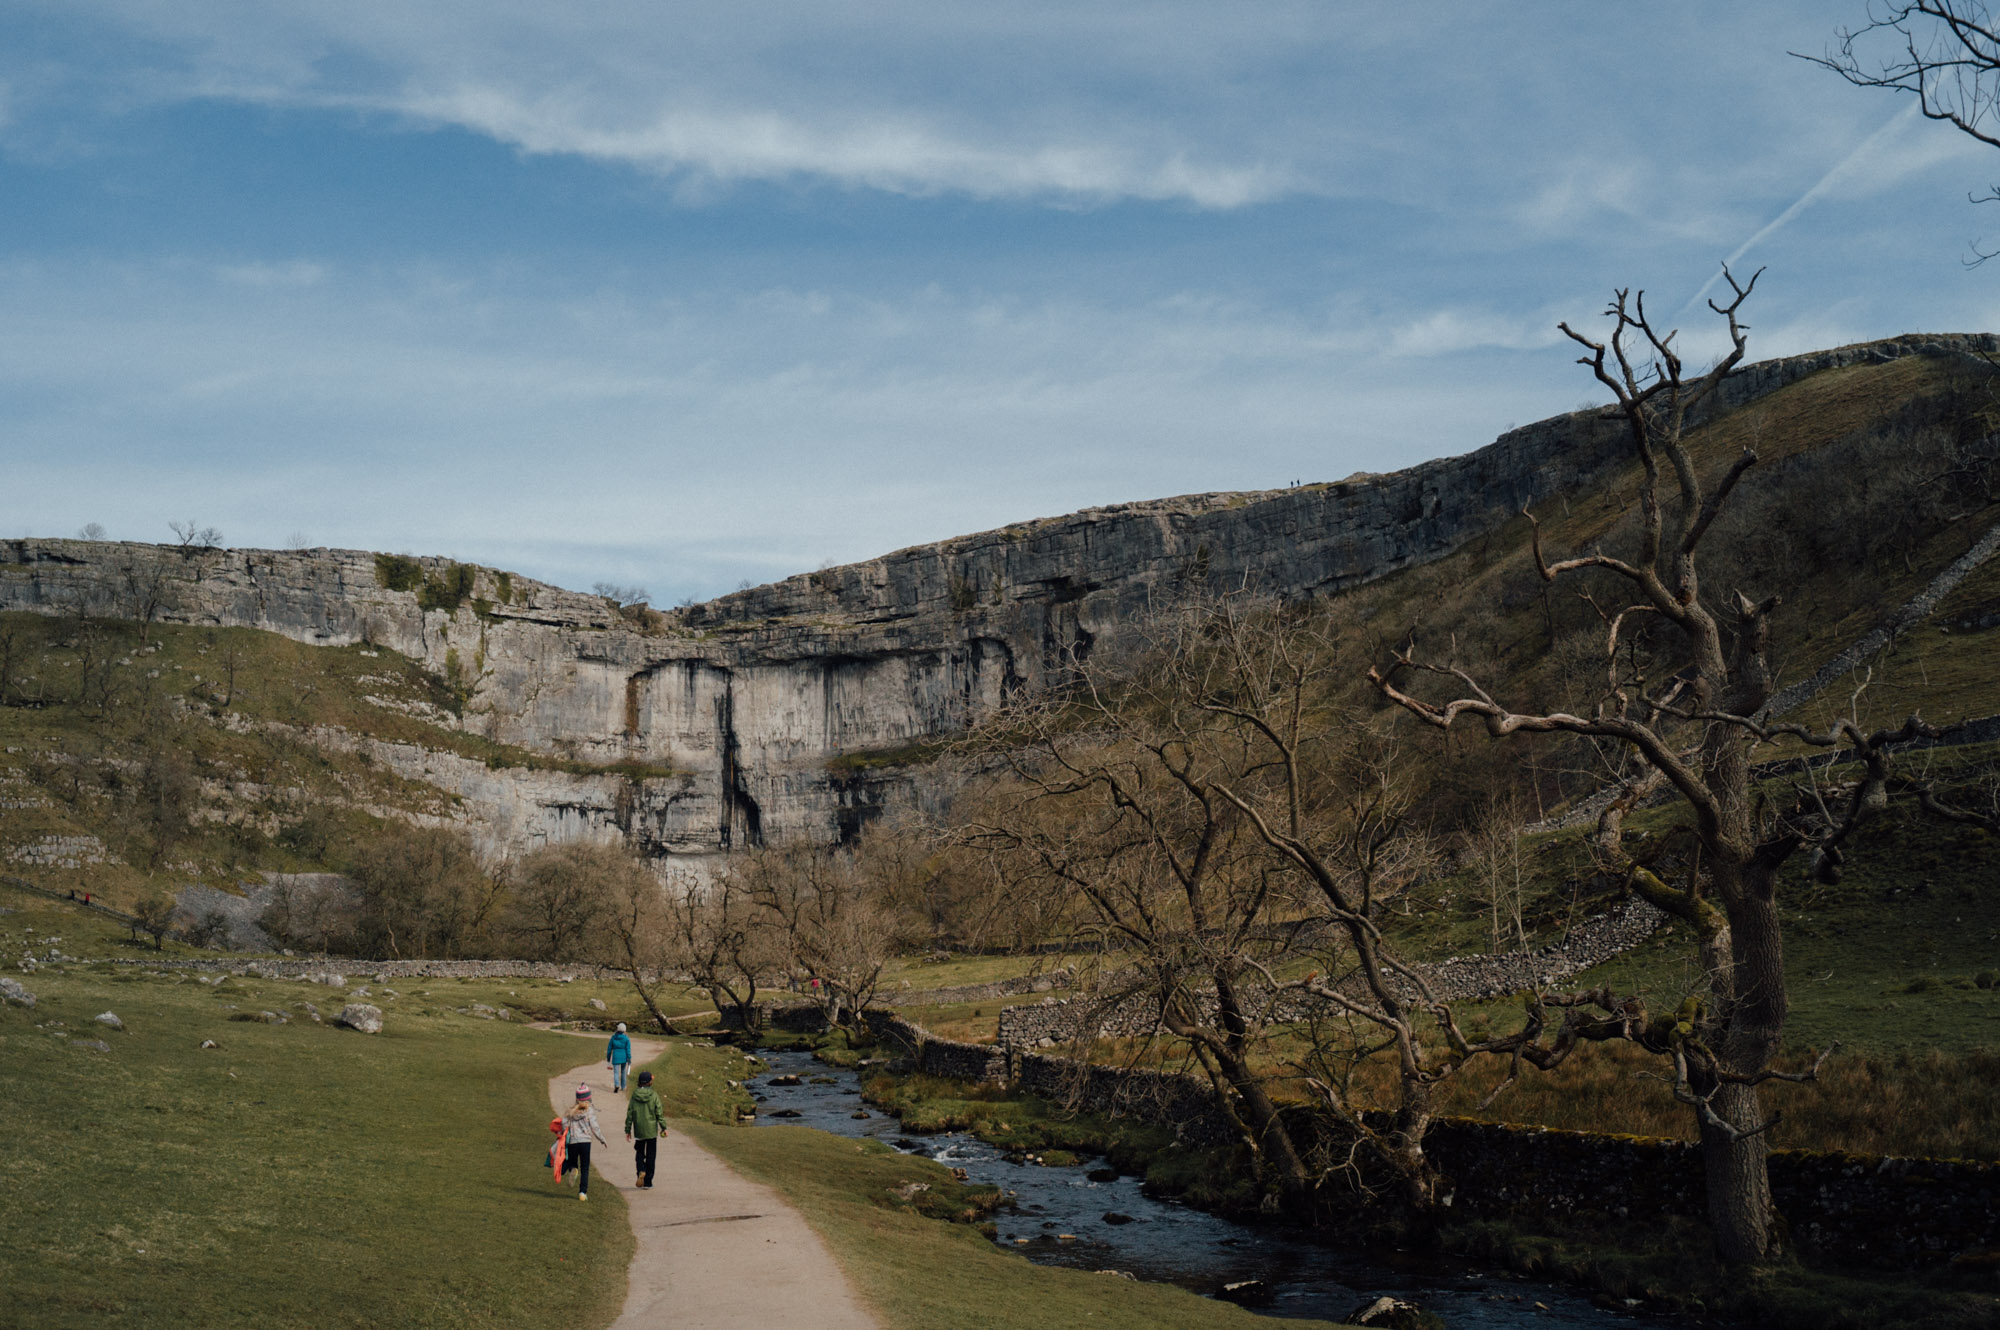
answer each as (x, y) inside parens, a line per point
(581, 1124)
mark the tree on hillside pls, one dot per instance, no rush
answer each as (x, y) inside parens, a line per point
(1684, 691)
(154, 916)
(1945, 52)
(1207, 812)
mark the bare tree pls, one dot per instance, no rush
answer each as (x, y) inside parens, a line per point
(424, 893)
(1685, 688)
(827, 921)
(1944, 52)
(15, 644)
(146, 592)
(636, 939)
(193, 538)
(559, 896)
(1495, 843)
(621, 595)
(314, 912)
(1209, 810)
(717, 935)
(91, 531)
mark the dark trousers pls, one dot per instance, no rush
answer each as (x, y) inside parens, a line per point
(645, 1151)
(578, 1158)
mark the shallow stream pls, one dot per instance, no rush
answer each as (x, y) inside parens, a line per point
(1175, 1244)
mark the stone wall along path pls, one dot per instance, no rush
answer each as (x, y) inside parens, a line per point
(714, 1251)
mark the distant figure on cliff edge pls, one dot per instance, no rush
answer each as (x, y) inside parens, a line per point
(645, 1123)
(580, 1124)
(618, 1057)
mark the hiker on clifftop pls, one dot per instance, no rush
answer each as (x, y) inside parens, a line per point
(618, 1056)
(645, 1123)
(580, 1124)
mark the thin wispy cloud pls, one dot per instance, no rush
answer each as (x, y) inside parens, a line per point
(899, 156)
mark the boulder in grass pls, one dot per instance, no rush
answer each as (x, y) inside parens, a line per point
(597, 1004)
(360, 1016)
(94, 1045)
(12, 991)
(110, 1019)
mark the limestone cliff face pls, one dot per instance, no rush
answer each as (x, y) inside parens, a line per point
(755, 695)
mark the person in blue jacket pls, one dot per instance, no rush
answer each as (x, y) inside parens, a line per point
(618, 1053)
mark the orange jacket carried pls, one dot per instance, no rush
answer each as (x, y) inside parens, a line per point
(559, 1150)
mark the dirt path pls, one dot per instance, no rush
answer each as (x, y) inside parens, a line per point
(715, 1251)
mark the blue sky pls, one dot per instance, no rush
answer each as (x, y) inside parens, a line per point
(686, 295)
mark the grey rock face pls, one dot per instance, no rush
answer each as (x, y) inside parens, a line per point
(360, 1016)
(752, 699)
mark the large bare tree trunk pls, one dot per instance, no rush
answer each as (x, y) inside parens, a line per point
(1739, 1182)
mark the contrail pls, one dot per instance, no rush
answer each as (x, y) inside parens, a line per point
(1805, 200)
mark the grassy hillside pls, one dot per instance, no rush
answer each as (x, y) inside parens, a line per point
(135, 758)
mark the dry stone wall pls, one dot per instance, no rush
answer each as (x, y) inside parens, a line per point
(322, 969)
(1862, 1209)
(1460, 979)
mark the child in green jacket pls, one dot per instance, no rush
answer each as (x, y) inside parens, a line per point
(645, 1123)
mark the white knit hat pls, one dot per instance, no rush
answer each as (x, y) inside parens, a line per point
(621, 1027)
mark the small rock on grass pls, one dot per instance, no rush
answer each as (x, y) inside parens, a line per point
(597, 1004)
(95, 1045)
(110, 1019)
(12, 990)
(360, 1016)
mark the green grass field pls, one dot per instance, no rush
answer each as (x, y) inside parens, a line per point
(296, 1175)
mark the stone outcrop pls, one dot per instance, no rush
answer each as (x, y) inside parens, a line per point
(759, 702)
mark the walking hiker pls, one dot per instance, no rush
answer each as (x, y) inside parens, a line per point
(579, 1125)
(645, 1123)
(618, 1057)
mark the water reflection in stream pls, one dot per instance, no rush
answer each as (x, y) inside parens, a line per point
(1171, 1243)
